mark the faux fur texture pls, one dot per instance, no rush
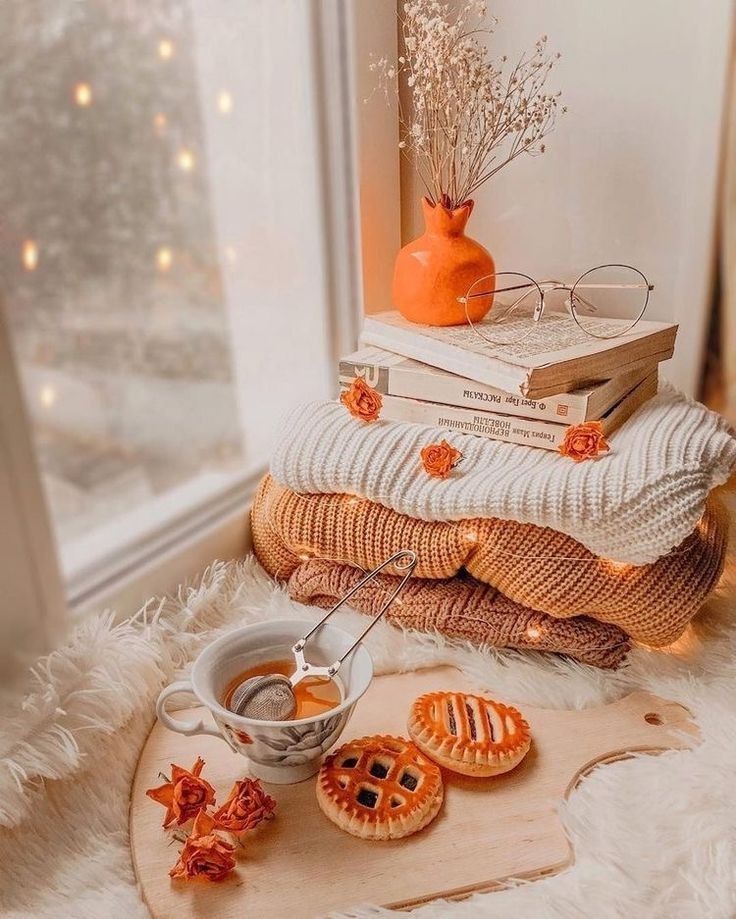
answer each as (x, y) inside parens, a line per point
(653, 836)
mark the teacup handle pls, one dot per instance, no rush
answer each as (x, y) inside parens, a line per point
(176, 724)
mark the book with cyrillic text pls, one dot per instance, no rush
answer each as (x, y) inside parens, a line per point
(495, 426)
(394, 375)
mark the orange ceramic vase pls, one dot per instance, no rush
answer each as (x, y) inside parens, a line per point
(431, 272)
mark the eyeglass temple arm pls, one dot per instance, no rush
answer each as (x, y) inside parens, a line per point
(613, 287)
(587, 302)
(500, 290)
(511, 307)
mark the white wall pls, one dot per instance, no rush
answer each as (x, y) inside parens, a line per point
(377, 128)
(630, 173)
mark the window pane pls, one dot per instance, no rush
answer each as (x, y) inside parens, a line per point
(162, 250)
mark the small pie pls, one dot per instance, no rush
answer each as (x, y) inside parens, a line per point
(469, 734)
(379, 787)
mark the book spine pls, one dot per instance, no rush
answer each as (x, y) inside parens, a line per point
(463, 393)
(506, 428)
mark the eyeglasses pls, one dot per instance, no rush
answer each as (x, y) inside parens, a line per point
(605, 302)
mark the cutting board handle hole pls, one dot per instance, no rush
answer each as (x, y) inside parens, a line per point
(653, 718)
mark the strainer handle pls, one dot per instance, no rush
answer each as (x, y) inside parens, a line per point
(410, 563)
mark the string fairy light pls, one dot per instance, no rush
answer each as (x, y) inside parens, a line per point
(29, 254)
(47, 395)
(617, 567)
(224, 102)
(185, 160)
(623, 567)
(83, 94)
(532, 632)
(164, 258)
(231, 254)
(166, 49)
(160, 121)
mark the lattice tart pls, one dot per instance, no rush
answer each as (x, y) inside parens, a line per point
(379, 787)
(469, 734)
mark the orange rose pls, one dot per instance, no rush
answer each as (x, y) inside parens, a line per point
(185, 795)
(247, 805)
(362, 401)
(205, 854)
(439, 459)
(584, 441)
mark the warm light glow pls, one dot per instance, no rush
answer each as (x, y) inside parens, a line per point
(83, 94)
(305, 556)
(353, 500)
(160, 121)
(165, 49)
(533, 632)
(185, 160)
(224, 102)
(164, 258)
(29, 255)
(618, 567)
(470, 536)
(231, 254)
(686, 644)
(47, 395)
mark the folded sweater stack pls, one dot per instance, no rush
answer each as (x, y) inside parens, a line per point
(628, 545)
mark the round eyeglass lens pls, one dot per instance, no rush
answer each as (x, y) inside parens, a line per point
(509, 301)
(608, 301)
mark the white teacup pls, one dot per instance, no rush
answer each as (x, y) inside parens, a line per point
(282, 752)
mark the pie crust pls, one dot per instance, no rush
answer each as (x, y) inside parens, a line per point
(379, 787)
(469, 734)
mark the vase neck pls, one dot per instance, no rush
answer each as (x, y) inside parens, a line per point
(441, 221)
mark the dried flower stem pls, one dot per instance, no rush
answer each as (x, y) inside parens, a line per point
(467, 119)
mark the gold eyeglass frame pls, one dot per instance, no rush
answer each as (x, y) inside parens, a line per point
(546, 287)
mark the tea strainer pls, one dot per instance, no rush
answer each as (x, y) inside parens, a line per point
(270, 697)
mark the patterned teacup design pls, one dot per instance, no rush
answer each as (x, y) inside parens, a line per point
(282, 752)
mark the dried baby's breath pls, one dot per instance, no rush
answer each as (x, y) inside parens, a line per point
(468, 116)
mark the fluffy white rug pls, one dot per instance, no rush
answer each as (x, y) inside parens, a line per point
(653, 836)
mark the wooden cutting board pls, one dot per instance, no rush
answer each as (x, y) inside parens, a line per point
(489, 830)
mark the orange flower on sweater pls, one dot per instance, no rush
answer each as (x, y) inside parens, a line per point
(185, 795)
(362, 401)
(205, 854)
(246, 807)
(584, 441)
(438, 459)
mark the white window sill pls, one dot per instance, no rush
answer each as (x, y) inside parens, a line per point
(160, 543)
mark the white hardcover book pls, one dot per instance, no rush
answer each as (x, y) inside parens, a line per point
(394, 375)
(545, 434)
(556, 357)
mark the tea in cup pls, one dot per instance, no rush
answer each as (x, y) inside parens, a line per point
(281, 752)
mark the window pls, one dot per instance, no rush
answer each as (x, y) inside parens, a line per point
(168, 280)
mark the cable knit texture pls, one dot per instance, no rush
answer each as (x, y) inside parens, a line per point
(533, 566)
(462, 607)
(631, 505)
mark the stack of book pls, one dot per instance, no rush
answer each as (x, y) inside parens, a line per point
(529, 393)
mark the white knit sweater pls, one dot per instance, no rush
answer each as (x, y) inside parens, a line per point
(631, 505)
